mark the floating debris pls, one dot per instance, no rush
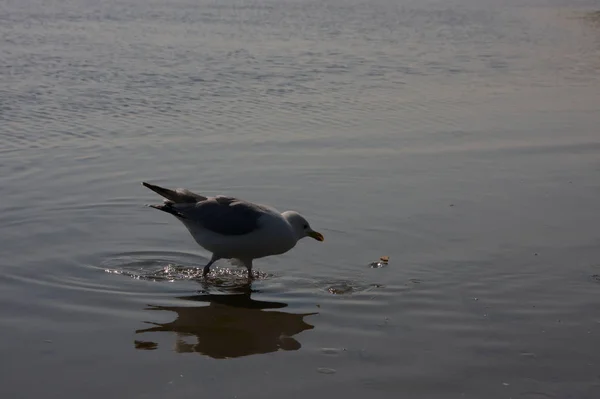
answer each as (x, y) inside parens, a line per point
(325, 370)
(340, 289)
(382, 262)
(145, 345)
(330, 351)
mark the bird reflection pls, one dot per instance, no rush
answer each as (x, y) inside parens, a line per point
(232, 325)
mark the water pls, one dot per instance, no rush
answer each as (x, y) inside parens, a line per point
(459, 138)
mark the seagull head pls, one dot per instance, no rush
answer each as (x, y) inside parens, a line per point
(301, 226)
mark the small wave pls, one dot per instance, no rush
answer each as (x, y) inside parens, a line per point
(349, 287)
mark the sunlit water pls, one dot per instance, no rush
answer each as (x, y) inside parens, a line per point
(459, 138)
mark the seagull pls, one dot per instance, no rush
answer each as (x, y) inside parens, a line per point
(231, 228)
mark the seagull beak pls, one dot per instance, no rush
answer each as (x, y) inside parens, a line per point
(316, 235)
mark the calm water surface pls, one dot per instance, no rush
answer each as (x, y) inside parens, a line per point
(459, 138)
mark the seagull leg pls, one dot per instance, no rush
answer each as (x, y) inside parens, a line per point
(248, 264)
(208, 265)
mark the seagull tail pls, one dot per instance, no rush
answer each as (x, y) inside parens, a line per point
(168, 207)
(178, 196)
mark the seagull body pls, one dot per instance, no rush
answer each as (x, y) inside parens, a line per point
(232, 228)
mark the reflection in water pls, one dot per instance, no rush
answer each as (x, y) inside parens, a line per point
(232, 325)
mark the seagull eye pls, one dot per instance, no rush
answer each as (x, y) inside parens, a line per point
(305, 226)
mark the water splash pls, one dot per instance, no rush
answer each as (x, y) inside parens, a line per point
(170, 267)
(173, 273)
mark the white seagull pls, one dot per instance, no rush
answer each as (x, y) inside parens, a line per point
(231, 228)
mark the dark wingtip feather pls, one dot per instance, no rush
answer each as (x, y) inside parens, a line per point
(164, 192)
(177, 196)
(152, 187)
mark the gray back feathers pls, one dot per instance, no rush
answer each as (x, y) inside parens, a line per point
(226, 215)
(223, 215)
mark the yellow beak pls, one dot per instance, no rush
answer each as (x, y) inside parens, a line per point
(316, 235)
